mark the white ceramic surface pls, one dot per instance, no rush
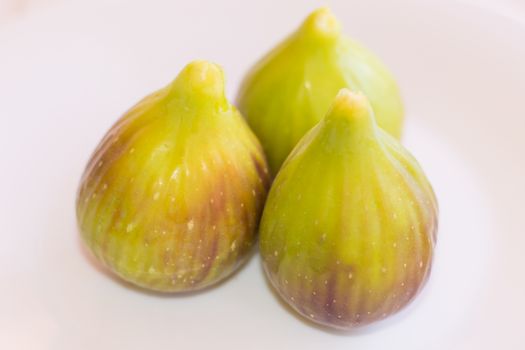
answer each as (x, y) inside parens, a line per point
(70, 69)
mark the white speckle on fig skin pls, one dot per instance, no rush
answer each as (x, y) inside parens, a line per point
(190, 225)
(175, 174)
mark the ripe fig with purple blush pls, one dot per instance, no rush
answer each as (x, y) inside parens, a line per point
(171, 198)
(349, 227)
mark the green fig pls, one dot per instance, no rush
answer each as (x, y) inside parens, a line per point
(171, 198)
(291, 88)
(349, 227)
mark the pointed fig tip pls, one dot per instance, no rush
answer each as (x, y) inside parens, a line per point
(350, 104)
(200, 77)
(322, 23)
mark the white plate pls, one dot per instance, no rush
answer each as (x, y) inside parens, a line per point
(68, 71)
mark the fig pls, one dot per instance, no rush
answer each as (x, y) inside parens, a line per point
(287, 92)
(172, 196)
(349, 227)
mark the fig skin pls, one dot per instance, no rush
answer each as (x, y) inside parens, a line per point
(288, 91)
(349, 227)
(172, 196)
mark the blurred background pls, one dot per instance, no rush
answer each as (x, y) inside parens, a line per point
(11, 9)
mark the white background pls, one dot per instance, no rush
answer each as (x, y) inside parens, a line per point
(69, 69)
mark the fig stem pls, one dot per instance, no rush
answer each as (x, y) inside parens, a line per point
(321, 24)
(352, 107)
(200, 83)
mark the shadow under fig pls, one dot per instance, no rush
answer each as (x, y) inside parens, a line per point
(359, 331)
(132, 287)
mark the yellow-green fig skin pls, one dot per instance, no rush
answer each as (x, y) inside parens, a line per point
(171, 198)
(349, 227)
(291, 88)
